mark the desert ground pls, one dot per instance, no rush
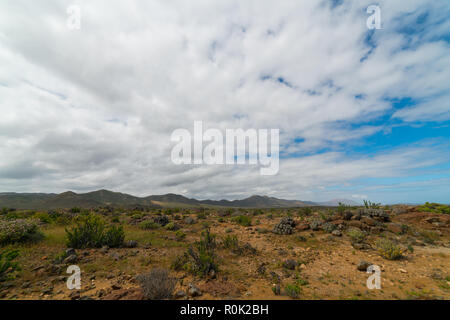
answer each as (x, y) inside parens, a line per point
(228, 253)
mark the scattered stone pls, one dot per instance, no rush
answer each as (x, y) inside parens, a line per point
(180, 294)
(70, 251)
(131, 244)
(363, 265)
(75, 295)
(104, 249)
(189, 220)
(336, 233)
(290, 264)
(194, 291)
(71, 259)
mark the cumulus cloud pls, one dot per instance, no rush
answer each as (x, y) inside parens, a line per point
(95, 107)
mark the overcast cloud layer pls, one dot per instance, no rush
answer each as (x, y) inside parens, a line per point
(94, 108)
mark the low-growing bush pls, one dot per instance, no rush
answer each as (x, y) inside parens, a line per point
(157, 284)
(201, 258)
(356, 235)
(90, 232)
(149, 225)
(44, 217)
(114, 237)
(230, 242)
(19, 231)
(7, 265)
(293, 290)
(180, 235)
(172, 226)
(245, 221)
(389, 250)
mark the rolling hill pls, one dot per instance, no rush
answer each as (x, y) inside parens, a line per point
(98, 198)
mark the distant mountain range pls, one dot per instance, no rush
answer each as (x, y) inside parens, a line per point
(98, 198)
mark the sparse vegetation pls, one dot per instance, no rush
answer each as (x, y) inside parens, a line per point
(157, 284)
(90, 232)
(7, 264)
(245, 221)
(389, 250)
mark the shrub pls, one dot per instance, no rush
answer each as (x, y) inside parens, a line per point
(90, 232)
(389, 250)
(149, 225)
(356, 235)
(7, 266)
(18, 231)
(230, 242)
(157, 285)
(292, 290)
(44, 217)
(114, 237)
(161, 220)
(203, 255)
(434, 208)
(180, 235)
(245, 221)
(172, 226)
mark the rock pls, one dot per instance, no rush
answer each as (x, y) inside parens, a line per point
(315, 225)
(194, 291)
(70, 251)
(180, 294)
(402, 270)
(290, 264)
(104, 249)
(115, 256)
(347, 215)
(131, 244)
(363, 265)
(116, 286)
(161, 220)
(336, 233)
(361, 246)
(75, 295)
(189, 220)
(285, 226)
(71, 259)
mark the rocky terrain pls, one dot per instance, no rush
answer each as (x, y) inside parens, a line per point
(204, 253)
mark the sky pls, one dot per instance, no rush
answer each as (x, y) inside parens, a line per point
(362, 113)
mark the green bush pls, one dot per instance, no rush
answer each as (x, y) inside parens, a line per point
(114, 237)
(293, 290)
(245, 221)
(90, 232)
(171, 226)
(180, 235)
(230, 242)
(19, 230)
(202, 255)
(44, 217)
(434, 208)
(7, 265)
(356, 235)
(149, 225)
(389, 250)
